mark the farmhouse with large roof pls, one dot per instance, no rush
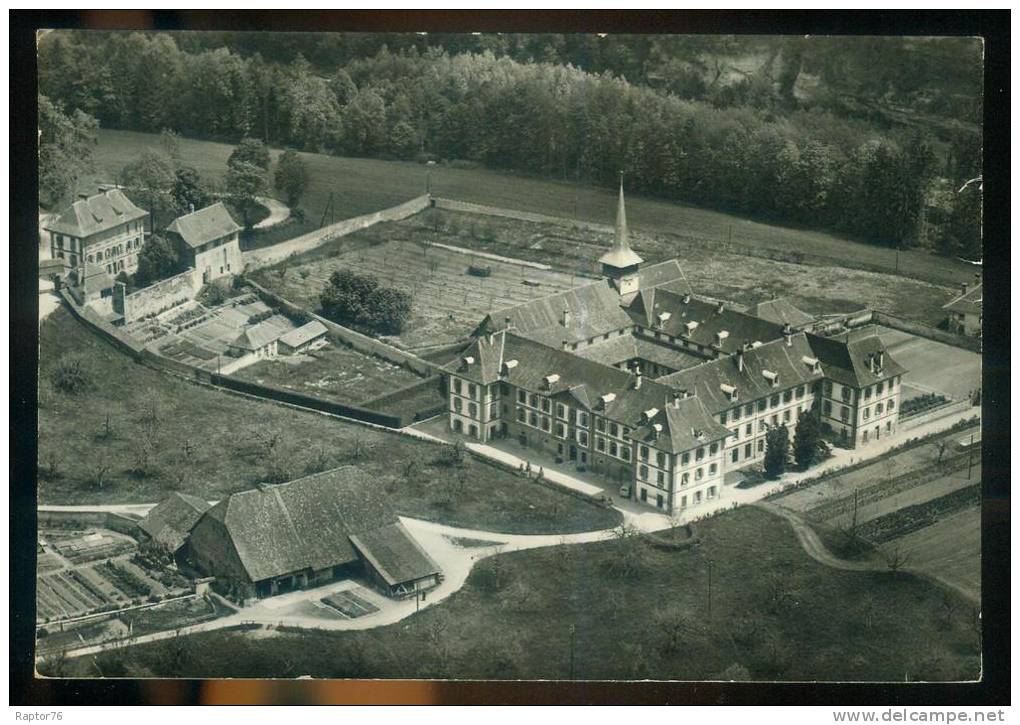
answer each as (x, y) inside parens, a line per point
(635, 378)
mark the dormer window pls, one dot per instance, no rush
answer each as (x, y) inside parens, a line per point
(656, 429)
(649, 414)
(549, 380)
(607, 399)
(720, 337)
(508, 366)
(467, 361)
(730, 391)
(772, 377)
(690, 327)
(812, 363)
(662, 318)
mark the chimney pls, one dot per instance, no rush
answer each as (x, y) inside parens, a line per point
(649, 414)
(677, 397)
(788, 336)
(637, 379)
(871, 362)
(687, 299)
(550, 380)
(881, 359)
(565, 317)
(467, 361)
(656, 430)
(720, 337)
(740, 360)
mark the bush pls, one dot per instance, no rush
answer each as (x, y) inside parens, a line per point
(72, 374)
(212, 295)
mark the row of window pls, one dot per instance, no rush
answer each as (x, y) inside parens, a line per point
(469, 390)
(763, 404)
(685, 478)
(709, 494)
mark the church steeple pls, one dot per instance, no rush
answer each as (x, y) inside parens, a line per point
(620, 264)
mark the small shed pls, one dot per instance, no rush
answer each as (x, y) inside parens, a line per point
(396, 562)
(260, 339)
(303, 338)
(171, 521)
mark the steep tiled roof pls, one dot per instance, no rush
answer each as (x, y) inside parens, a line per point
(627, 347)
(95, 214)
(738, 326)
(578, 378)
(685, 424)
(845, 357)
(393, 552)
(308, 331)
(592, 310)
(170, 522)
(203, 226)
(787, 361)
(303, 524)
(781, 312)
(969, 303)
(668, 273)
(262, 333)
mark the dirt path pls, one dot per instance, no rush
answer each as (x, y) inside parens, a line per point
(813, 545)
(278, 212)
(814, 548)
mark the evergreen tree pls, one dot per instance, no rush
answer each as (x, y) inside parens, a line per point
(777, 448)
(246, 182)
(157, 260)
(806, 440)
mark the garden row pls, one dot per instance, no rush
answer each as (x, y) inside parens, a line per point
(104, 587)
(912, 518)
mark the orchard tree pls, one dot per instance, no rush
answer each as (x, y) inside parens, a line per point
(777, 447)
(291, 177)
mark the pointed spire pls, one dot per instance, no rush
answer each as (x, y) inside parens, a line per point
(622, 240)
(621, 255)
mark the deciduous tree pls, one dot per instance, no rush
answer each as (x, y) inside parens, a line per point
(291, 177)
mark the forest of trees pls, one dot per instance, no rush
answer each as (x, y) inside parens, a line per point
(561, 106)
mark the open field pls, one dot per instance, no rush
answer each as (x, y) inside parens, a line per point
(448, 302)
(934, 366)
(366, 185)
(949, 550)
(775, 614)
(336, 372)
(210, 443)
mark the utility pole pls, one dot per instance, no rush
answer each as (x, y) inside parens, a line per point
(970, 456)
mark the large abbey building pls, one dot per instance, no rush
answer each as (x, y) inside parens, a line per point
(635, 378)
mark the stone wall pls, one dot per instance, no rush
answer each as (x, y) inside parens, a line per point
(267, 256)
(158, 297)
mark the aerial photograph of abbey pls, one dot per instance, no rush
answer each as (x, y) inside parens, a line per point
(509, 356)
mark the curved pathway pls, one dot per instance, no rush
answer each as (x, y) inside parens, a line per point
(278, 212)
(814, 548)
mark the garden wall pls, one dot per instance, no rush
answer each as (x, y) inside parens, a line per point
(98, 519)
(307, 401)
(414, 402)
(358, 341)
(921, 330)
(257, 258)
(469, 208)
(158, 297)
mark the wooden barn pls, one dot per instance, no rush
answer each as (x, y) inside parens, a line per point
(170, 522)
(308, 532)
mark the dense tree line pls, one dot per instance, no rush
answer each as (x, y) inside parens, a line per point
(784, 163)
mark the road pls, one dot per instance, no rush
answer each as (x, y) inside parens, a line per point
(278, 212)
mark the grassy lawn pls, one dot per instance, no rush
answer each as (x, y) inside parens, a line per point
(336, 372)
(776, 614)
(360, 186)
(210, 443)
